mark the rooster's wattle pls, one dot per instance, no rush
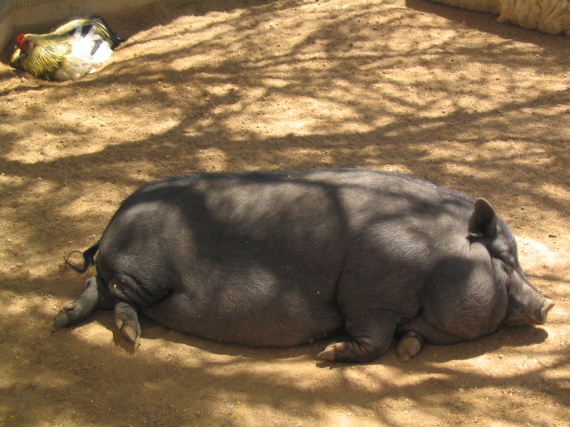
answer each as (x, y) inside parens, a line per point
(71, 51)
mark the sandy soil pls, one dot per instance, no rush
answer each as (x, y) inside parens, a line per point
(439, 93)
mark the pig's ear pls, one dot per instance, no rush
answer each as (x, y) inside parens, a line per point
(483, 221)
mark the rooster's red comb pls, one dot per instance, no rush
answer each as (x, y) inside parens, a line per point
(19, 40)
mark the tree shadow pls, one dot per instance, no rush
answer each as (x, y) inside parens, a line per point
(367, 99)
(162, 377)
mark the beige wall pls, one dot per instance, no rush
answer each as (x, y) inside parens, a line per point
(25, 16)
(6, 27)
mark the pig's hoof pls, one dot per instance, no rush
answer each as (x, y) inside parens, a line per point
(410, 345)
(127, 321)
(66, 317)
(332, 351)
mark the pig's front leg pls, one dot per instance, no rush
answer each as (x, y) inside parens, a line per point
(371, 334)
(409, 345)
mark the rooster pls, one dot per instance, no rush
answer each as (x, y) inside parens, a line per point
(71, 51)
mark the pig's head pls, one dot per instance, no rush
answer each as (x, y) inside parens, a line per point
(526, 305)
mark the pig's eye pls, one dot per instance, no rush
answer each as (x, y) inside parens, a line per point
(508, 263)
(510, 260)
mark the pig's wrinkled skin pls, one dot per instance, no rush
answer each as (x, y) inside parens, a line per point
(279, 259)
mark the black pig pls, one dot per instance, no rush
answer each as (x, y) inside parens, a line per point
(279, 259)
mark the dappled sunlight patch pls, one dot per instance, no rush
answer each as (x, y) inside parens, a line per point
(467, 170)
(558, 192)
(80, 136)
(36, 304)
(536, 253)
(212, 159)
(228, 86)
(11, 378)
(296, 126)
(222, 90)
(397, 168)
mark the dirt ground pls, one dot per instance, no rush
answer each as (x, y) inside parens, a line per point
(406, 85)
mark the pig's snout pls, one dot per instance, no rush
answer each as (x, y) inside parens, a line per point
(548, 304)
(528, 314)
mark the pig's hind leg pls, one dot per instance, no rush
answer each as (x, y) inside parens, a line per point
(95, 295)
(123, 294)
(127, 320)
(129, 294)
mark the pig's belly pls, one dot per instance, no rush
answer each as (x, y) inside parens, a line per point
(281, 322)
